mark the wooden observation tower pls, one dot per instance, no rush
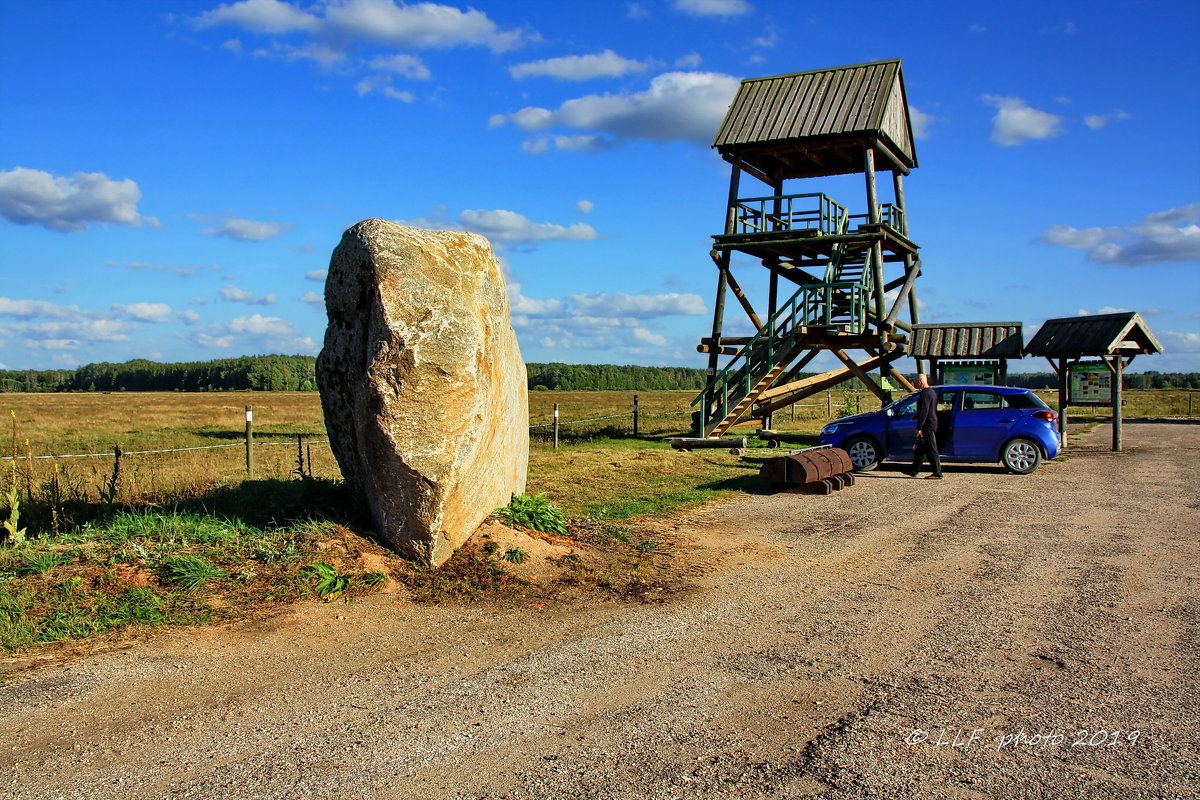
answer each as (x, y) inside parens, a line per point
(848, 273)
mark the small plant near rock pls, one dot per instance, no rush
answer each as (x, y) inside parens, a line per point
(516, 555)
(190, 572)
(534, 512)
(647, 545)
(373, 579)
(331, 584)
(491, 547)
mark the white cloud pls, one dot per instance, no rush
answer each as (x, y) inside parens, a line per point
(420, 26)
(188, 317)
(636, 11)
(34, 197)
(585, 206)
(921, 122)
(677, 106)
(31, 309)
(312, 298)
(1078, 238)
(690, 61)
(528, 307)
(606, 64)
(260, 16)
(1098, 121)
(316, 275)
(183, 272)
(408, 66)
(384, 85)
(249, 230)
(322, 55)
(1164, 236)
(1174, 341)
(255, 333)
(509, 226)
(1017, 122)
(236, 295)
(72, 333)
(1083, 312)
(145, 312)
(620, 304)
(647, 337)
(713, 8)
(500, 225)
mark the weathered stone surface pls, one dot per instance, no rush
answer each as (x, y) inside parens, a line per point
(422, 383)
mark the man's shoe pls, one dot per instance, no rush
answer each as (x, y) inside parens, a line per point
(912, 473)
(933, 477)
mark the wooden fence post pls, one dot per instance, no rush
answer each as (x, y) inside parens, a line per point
(250, 440)
(635, 416)
(829, 405)
(556, 426)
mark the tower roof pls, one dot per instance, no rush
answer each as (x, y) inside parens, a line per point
(815, 123)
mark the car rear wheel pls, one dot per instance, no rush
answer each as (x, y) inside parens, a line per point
(1021, 456)
(864, 453)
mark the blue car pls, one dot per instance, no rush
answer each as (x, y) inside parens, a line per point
(975, 423)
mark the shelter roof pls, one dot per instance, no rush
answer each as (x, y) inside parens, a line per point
(1124, 333)
(815, 123)
(967, 340)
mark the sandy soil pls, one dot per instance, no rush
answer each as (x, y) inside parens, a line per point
(986, 636)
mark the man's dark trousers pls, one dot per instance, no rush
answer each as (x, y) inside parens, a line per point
(926, 447)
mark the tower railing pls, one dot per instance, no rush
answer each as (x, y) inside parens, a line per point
(890, 215)
(789, 212)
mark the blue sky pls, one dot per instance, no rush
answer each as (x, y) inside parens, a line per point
(174, 175)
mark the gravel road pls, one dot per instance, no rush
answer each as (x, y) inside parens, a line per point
(986, 636)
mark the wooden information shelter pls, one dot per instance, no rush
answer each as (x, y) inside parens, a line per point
(1115, 339)
(834, 261)
(985, 345)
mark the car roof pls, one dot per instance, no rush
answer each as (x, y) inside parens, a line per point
(970, 386)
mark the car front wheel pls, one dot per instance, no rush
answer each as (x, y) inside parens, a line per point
(1021, 456)
(864, 453)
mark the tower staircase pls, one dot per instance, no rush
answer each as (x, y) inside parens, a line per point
(837, 304)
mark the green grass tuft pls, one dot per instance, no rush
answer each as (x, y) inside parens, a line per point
(534, 512)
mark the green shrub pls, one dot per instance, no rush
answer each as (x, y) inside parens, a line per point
(534, 512)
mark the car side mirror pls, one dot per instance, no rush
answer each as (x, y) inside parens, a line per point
(891, 412)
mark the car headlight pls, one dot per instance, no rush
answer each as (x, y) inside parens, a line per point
(829, 430)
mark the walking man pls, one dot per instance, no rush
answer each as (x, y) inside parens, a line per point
(926, 445)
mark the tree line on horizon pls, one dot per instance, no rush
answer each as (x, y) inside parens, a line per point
(280, 373)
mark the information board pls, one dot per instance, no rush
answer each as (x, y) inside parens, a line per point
(974, 375)
(1090, 384)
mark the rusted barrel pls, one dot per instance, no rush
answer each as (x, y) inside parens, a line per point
(824, 469)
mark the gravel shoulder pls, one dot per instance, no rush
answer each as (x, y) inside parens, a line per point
(986, 636)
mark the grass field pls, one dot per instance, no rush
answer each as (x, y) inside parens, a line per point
(185, 537)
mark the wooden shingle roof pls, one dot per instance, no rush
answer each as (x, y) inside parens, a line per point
(967, 340)
(1095, 335)
(815, 123)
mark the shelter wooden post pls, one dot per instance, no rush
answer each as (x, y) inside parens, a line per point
(1116, 365)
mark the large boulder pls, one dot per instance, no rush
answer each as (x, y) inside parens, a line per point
(422, 383)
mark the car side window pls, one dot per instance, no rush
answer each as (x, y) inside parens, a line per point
(946, 401)
(982, 401)
(907, 408)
